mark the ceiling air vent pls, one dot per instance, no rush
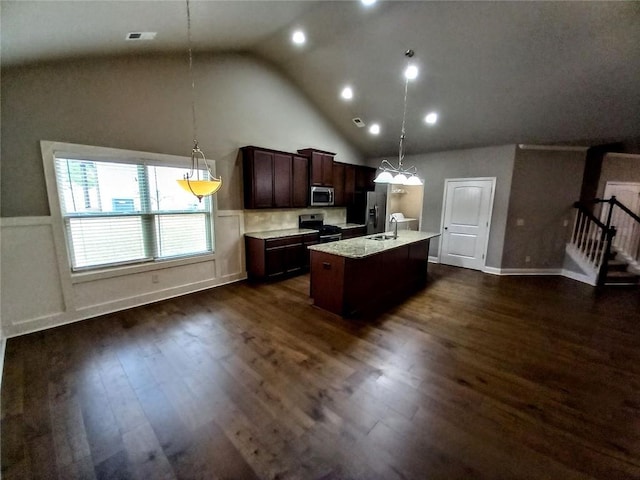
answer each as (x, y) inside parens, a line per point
(141, 35)
(358, 121)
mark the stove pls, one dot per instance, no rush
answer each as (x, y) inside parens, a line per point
(315, 221)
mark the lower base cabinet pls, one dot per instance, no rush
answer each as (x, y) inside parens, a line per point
(276, 257)
(353, 286)
(353, 232)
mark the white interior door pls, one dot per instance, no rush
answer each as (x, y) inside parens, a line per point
(629, 195)
(466, 216)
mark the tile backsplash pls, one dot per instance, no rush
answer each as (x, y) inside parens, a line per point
(265, 220)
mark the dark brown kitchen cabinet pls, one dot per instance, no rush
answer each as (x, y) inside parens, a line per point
(274, 179)
(353, 232)
(344, 184)
(282, 180)
(349, 184)
(275, 257)
(300, 186)
(338, 185)
(364, 178)
(321, 166)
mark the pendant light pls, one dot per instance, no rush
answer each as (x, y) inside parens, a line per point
(200, 187)
(399, 175)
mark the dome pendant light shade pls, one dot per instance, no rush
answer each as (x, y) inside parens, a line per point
(383, 177)
(413, 180)
(399, 179)
(201, 188)
(197, 186)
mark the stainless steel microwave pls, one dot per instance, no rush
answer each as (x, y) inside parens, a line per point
(321, 196)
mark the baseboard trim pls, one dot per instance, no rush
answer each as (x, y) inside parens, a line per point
(3, 349)
(531, 271)
(579, 277)
(434, 259)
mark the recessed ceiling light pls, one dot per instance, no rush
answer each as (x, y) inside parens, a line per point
(431, 118)
(298, 37)
(347, 93)
(411, 72)
(368, 3)
(374, 129)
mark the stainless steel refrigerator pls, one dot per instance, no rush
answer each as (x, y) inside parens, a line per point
(370, 209)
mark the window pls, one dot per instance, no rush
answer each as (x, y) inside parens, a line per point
(118, 212)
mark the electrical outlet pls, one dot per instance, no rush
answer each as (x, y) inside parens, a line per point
(565, 223)
(520, 222)
(527, 259)
(155, 278)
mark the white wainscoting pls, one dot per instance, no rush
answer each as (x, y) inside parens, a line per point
(38, 291)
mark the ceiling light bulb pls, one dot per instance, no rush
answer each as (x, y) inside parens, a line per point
(431, 118)
(368, 2)
(374, 129)
(411, 72)
(298, 37)
(347, 93)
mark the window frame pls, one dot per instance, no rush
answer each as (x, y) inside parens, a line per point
(53, 150)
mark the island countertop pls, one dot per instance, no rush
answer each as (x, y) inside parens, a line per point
(361, 247)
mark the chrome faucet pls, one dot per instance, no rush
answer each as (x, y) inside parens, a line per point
(395, 226)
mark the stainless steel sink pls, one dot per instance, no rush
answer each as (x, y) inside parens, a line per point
(382, 236)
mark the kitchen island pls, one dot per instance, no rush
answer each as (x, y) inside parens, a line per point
(363, 275)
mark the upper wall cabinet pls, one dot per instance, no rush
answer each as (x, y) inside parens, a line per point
(321, 165)
(274, 179)
(344, 183)
(364, 179)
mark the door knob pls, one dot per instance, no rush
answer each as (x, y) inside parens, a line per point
(446, 228)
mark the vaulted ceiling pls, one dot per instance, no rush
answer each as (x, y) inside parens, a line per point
(495, 72)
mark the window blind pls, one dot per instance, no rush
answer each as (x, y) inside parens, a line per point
(119, 213)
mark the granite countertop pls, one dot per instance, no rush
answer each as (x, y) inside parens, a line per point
(289, 232)
(361, 247)
(349, 225)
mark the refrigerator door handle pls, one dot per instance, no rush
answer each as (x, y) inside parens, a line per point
(375, 218)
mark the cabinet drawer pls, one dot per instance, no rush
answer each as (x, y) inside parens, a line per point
(283, 242)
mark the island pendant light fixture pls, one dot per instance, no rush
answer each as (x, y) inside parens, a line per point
(390, 173)
(192, 182)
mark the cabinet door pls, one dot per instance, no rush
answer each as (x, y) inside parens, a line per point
(293, 257)
(338, 184)
(282, 179)
(262, 180)
(275, 261)
(327, 170)
(316, 169)
(364, 179)
(300, 184)
(349, 184)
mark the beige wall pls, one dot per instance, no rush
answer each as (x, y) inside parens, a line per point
(434, 168)
(144, 103)
(545, 185)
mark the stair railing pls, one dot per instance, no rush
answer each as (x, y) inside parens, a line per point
(627, 224)
(593, 239)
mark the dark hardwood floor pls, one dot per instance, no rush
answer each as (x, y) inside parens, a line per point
(476, 376)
